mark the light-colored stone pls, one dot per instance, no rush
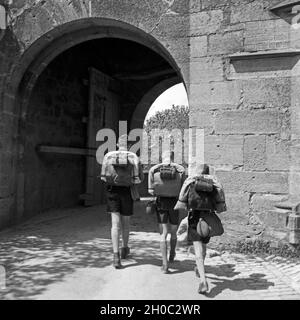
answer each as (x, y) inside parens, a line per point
(255, 153)
(215, 95)
(264, 202)
(270, 92)
(223, 150)
(229, 42)
(294, 180)
(277, 154)
(265, 182)
(198, 46)
(205, 22)
(267, 34)
(255, 10)
(206, 70)
(248, 122)
(202, 120)
(237, 203)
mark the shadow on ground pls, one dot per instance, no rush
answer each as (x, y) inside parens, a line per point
(46, 249)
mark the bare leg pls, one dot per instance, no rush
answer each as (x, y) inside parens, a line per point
(173, 241)
(163, 230)
(125, 222)
(200, 252)
(115, 230)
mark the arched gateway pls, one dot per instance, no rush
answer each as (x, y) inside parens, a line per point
(63, 63)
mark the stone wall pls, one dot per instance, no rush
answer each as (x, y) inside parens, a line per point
(243, 104)
(248, 107)
(58, 104)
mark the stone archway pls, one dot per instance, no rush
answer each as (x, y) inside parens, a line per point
(140, 112)
(38, 57)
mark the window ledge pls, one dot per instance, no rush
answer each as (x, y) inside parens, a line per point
(264, 54)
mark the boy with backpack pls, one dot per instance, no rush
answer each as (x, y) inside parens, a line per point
(121, 171)
(165, 181)
(202, 195)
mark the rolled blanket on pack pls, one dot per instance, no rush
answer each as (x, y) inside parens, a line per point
(121, 158)
(219, 195)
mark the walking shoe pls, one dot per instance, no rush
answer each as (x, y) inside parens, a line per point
(117, 261)
(164, 269)
(172, 256)
(203, 287)
(197, 272)
(124, 252)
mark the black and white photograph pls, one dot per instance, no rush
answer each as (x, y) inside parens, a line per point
(150, 151)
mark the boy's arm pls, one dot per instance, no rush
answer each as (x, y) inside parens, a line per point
(150, 182)
(141, 172)
(103, 168)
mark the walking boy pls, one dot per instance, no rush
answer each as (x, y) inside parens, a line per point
(122, 171)
(203, 195)
(164, 182)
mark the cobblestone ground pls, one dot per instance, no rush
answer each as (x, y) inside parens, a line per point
(66, 254)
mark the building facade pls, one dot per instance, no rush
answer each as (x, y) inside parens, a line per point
(70, 67)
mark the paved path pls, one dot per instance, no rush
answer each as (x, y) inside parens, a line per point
(66, 254)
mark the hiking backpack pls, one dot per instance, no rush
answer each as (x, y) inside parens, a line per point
(119, 169)
(167, 181)
(219, 198)
(200, 196)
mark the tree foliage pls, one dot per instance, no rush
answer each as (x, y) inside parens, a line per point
(175, 118)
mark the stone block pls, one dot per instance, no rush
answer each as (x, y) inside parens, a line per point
(206, 70)
(294, 179)
(172, 26)
(229, 42)
(264, 182)
(223, 150)
(205, 22)
(248, 122)
(277, 154)
(194, 5)
(214, 4)
(237, 203)
(180, 48)
(294, 155)
(269, 92)
(264, 202)
(255, 153)
(202, 120)
(198, 46)
(255, 10)
(275, 219)
(215, 95)
(264, 35)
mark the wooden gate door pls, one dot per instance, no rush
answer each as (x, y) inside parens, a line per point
(103, 113)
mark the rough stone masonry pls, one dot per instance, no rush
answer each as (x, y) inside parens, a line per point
(239, 60)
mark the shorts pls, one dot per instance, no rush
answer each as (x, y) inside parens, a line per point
(119, 199)
(165, 211)
(193, 219)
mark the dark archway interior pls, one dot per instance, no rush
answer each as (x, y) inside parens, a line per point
(135, 66)
(58, 116)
